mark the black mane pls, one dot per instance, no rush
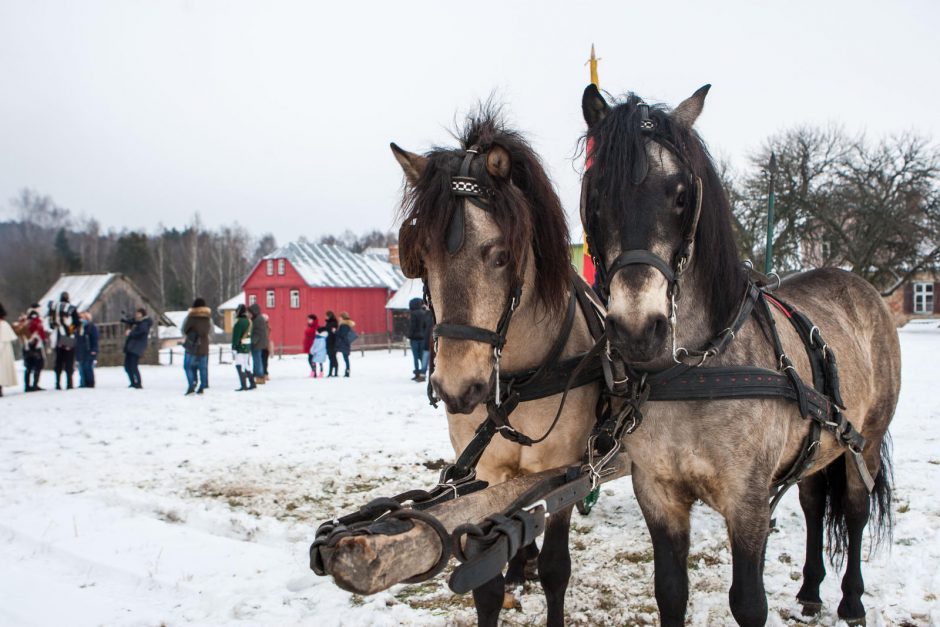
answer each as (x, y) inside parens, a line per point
(619, 165)
(527, 211)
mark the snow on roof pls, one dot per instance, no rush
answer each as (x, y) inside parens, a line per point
(233, 303)
(326, 265)
(83, 289)
(376, 251)
(411, 288)
(176, 331)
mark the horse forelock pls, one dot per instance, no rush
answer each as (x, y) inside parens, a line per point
(525, 207)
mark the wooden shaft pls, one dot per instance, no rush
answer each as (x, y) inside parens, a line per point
(366, 564)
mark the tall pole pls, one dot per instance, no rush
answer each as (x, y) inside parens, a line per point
(769, 250)
(588, 270)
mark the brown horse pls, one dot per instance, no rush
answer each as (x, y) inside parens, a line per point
(659, 224)
(483, 226)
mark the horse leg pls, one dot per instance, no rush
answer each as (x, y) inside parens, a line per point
(813, 502)
(555, 566)
(856, 506)
(748, 527)
(521, 566)
(667, 518)
(488, 600)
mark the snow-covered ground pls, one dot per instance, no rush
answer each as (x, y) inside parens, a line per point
(144, 507)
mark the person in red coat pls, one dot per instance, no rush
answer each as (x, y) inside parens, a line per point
(310, 334)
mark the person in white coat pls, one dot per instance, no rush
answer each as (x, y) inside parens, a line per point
(7, 339)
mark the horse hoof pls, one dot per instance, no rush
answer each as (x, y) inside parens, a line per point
(810, 608)
(510, 602)
(854, 622)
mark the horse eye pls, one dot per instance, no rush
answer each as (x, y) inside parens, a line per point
(680, 200)
(501, 259)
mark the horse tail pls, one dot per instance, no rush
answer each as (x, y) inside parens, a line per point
(880, 519)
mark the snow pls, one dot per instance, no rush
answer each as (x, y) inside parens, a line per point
(233, 303)
(411, 288)
(326, 265)
(127, 507)
(83, 289)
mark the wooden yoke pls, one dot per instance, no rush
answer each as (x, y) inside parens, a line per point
(366, 564)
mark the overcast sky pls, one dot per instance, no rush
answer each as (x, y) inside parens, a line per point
(278, 115)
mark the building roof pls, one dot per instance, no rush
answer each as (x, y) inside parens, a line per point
(326, 265)
(175, 332)
(411, 288)
(83, 289)
(233, 303)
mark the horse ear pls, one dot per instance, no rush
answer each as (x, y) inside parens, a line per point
(593, 106)
(498, 162)
(412, 164)
(689, 109)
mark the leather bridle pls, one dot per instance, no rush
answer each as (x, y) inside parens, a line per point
(466, 186)
(640, 256)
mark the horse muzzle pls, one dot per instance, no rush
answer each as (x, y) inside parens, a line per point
(638, 345)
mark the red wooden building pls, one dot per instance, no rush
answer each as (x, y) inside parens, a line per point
(302, 278)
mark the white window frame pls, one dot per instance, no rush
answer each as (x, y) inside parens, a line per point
(923, 294)
(280, 267)
(295, 299)
(252, 300)
(269, 299)
(269, 267)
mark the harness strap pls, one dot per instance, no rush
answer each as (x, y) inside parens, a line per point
(642, 258)
(485, 549)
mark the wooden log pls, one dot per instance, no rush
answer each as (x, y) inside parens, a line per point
(366, 564)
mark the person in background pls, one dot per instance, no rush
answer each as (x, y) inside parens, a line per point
(138, 336)
(196, 329)
(7, 365)
(259, 342)
(241, 349)
(86, 350)
(330, 329)
(64, 322)
(418, 337)
(345, 336)
(33, 333)
(318, 352)
(310, 334)
(268, 349)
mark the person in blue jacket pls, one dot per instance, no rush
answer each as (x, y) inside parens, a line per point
(86, 350)
(345, 336)
(138, 336)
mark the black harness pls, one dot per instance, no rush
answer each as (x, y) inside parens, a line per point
(821, 403)
(552, 377)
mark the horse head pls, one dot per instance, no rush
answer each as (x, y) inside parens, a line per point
(484, 229)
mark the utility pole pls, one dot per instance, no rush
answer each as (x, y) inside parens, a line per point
(769, 251)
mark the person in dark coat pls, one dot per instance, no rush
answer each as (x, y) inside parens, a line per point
(259, 342)
(86, 350)
(418, 323)
(196, 330)
(345, 336)
(330, 328)
(64, 321)
(138, 336)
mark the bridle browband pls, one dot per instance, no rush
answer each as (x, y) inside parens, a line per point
(644, 257)
(466, 186)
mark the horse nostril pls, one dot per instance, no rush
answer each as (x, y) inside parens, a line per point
(660, 326)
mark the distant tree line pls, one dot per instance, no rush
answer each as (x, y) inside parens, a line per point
(171, 266)
(871, 207)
